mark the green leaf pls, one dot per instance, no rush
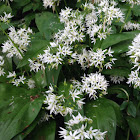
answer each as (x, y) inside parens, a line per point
(122, 46)
(103, 115)
(45, 131)
(123, 105)
(134, 124)
(52, 75)
(117, 71)
(40, 79)
(131, 110)
(117, 38)
(136, 10)
(27, 7)
(19, 107)
(22, 3)
(2, 38)
(29, 129)
(48, 23)
(28, 18)
(6, 9)
(123, 91)
(37, 47)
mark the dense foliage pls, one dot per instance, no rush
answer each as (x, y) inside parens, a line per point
(69, 69)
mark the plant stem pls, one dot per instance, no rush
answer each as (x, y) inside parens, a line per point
(128, 134)
(65, 2)
(56, 12)
(11, 41)
(129, 11)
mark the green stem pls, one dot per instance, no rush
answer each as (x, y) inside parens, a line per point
(128, 134)
(56, 12)
(65, 2)
(11, 41)
(126, 19)
(7, 3)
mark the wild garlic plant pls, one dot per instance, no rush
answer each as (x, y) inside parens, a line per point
(69, 70)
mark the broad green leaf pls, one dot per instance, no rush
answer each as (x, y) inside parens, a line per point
(19, 107)
(37, 47)
(6, 9)
(29, 129)
(28, 18)
(22, 3)
(123, 105)
(27, 7)
(117, 71)
(136, 10)
(122, 46)
(40, 79)
(117, 38)
(103, 115)
(52, 75)
(134, 124)
(45, 131)
(123, 91)
(48, 23)
(131, 110)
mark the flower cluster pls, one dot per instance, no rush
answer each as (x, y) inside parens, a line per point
(21, 80)
(132, 26)
(117, 79)
(91, 85)
(63, 45)
(134, 54)
(6, 17)
(98, 58)
(81, 132)
(17, 42)
(94, 82)
(134, 79)
(132, 2)
(55, 103)
(100, 18)
(50, 3)
(1, 66)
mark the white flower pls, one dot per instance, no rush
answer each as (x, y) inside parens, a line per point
(82, 134)
(134, 52)
(1, 61)
(21, 79)
(11, 74)
(6, 17)
(50, 3)
(2, 71)
(117, 79)
(94, 81)
(31, 83)
(74, 94)
(132, 26)
(51, 89)
(99, 135)
(16, 82)
(91, 132)
(134, 79)
(20, 38)
(63, 132)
